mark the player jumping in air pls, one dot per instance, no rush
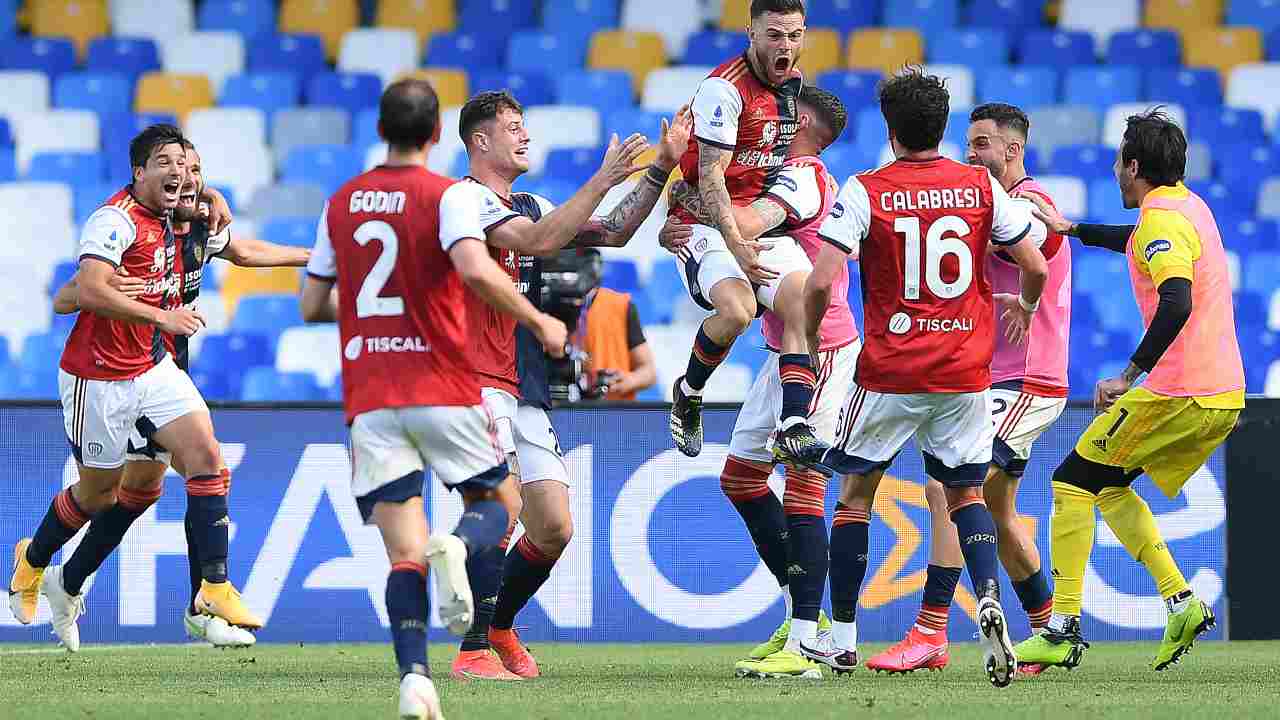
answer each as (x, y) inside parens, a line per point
(406, 250)
(1169, 425)
(519, 228)
(745, 117)
(1028, 393)
(790, 534)
(924, 225)
(146, 461)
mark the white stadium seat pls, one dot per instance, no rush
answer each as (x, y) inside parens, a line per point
(442, 155)
(1273, 311)
(643, 250)
(1269, 199)
(667, 89)
(225, 126)
(1057, 125)
(559, 126)
(22, 317)
(1272, 387)
(218, 55)
(24, 91)
(313, 349)
(385, 52)
(1113, 125)
(960, 83)
(377, 154)
(52, 130)
(35, 200)
(672, 20)
(1068, 193)
(1253, 86)
(1102, 18)
(244, 167)
(148, 18)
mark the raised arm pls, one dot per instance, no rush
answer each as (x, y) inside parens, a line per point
(1111, 237)
(753, 220)
(251, 252)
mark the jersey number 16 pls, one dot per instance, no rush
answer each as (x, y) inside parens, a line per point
(942, 239)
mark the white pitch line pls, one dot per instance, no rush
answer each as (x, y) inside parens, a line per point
(113, 648)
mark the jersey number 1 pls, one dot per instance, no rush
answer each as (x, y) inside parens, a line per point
(369, 302)
(943, 239)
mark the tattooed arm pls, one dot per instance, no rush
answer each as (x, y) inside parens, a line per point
(716, 203)
(753, 221)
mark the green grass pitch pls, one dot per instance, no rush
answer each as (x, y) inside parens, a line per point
(1218, 681)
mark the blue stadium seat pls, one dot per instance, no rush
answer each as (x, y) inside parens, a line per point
(530, 88)
(52, 56)
(19, 384)
(1273, 45)
(4, 351)
(538, 50)
(1084, 312)
(1188, 87)
(266, 91)
(1146, 47)
(842, 15)
(855, 88)
(750, 349)
(264, 384)
(328, 166)
(1223, 199)
(62, 272)
(214, 385)
(250, 18)
(1220, 126)
(72, 168)
(1242, 165)
(1088, 162)
(8, 164)
(957, 132)
(294, 232)
(364, 131)
(1057, 48)
(1026, 86)
(1258, 346)
(497, 18)
(925, 16)
(351, 91)
(711, 47)
(1260, 270)
(1106, 205)
(275, 52)
(846, 158)
(579, 16)
(461, 166)
(131, 56)
(1011, 14)
(116, 130)
(1262, 14)
(1245, 235)
(1098, 273)
(230, 354)
(620, 275)
(572, 165)
(1101, 87)
(604, 90)
(975, 47)
(633, 120)
(662, 291)
(6, 133)
(869, 130)
(267, 314)
(9, 17)
(553, 189)
(470, 50)
(42, 351)
(100, 92)
(1032, 160)
(333, 393)
(1251, 308)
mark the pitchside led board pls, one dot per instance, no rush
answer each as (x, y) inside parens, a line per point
(658, 554)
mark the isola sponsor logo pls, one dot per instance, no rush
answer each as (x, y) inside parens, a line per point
(1156, 246)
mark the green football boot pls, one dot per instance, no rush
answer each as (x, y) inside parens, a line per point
(1181, 632)
(1053, 649)
(778, 639)
(784, 664)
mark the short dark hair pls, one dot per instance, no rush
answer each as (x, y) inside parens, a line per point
(1005, 116)
(1157, 143)
(915, 107)
(829, 109)
(144, 144)
(783, 7)
(485, 107)
(409, 113)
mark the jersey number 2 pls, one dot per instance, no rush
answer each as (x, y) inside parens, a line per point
(943, 239)
(369, 302)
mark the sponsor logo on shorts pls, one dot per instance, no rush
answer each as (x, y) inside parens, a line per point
(1156, 246)
(900, 323)
(94, 449)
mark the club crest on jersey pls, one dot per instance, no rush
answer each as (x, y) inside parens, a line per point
(1156, 246)
(198, 252)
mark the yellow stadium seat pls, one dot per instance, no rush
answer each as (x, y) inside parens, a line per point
(240, 281)
(451, 85)
(635, 52)
(422, 16)
(735, 14)
(821, 52)
(1183, 14)
(80, 20)
(172, 93)
(1221, 48)
(886, 49)
(330, 19)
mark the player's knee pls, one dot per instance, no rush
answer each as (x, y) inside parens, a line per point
(95, 499)
(554, 537)
(204, 458)
(999, 490)
(959, 498)
(407, 549)
(936, 496)
(856, 493)
(788, 304)
(738, 314)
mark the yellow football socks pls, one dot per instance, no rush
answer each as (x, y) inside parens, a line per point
(1131, 520)
(1071, 542)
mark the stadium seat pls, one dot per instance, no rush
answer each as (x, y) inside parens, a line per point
(130, 56)
(573, 165)
(264, 384)
(385, 52)
(1099, 87)
(328, 166)
(530, 88)
(822, 52)
(1223, 199)
(667, 89)
(225, 126)
(41, 352)
(1088, 162)
(313, 349)
(1182, 15)
(844, 16)
(1250, 309)
(351, 91)
(1098, 273)
(89, 196)
(604, 90)
(927, 16)
(41, 131)
(308, 126)
(72, 168)
(626, 121)
(673, 21)
(9, 12)
(269, 92)
(178, 95)
(330, 19)
(452, 86)
(1056, 48)
(267, 314)
(1254, 87)
(868, 130)
(580, 16)
(960, 84)
(424, 17)
(148, 18)
(1269, 199)
(364, 128)
(1106, 205)
(450, 145)
(539, 50)
(1262, 14)
(975, 47)
(1246, 165)
(556, 126)
(51, 56)
(1102, 18)
(294, 231)
(1026, 86)
(712, 47)
(1014, 15)
(555, 190)
(1222, 48)
(620, 275)
(1145, 48)
(885, 49)
(473, 51)
(498, 17)
(24, 91)
(1219, 126)
(846, 158)
(1113, 123)
(1261, 271)
(242, 167)
(1246, 234)
(23, 201)
(286, 200)
(1068, 193)
(98, 92)
(80, 20)
(637, 53)
(1189, 87)
(302, 55)
(8, 164)
(218, 55)
(232, 353)
(1273, 45)
(855, 88)
(246, 17)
